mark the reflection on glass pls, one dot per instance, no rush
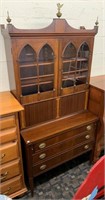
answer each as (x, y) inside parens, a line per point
(36, 73)
(75, 65)
(84, 51)
(82, 64)
(68, 69)
(28, 70)
(46, 54)
(81, 77)
(27, 55)
(29, 90)
(69, 52)
(46, 69)
(46, 87)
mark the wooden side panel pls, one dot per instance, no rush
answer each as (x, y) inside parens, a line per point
(72, 103)
(40, 112)
(96, 101)
(96, 105)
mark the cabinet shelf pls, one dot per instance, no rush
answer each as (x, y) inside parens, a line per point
(76, 70)
(69, 60)
(28, 65)
(45, 63)
(36, 77)
(67, 73)
(38, 83)
(28, 85)
(75, 59)
(81, 70)
(64, 79)
(82, 59)
(28, 78)
(47, 75)
(78, 77)
(36, 64)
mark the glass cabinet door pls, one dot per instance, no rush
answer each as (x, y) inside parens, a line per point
(36, 70)
(46, 69)
(82, 64)
(68, 68)
(75, 65)
(28, 71)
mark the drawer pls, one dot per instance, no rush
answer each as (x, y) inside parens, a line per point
(7, 122)
(8, 135)
(61, 158)
(63, 146)
(89, 128)
(8, 152)
(9, 170)
(11, 186)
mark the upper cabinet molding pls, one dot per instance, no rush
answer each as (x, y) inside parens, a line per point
(57, 27)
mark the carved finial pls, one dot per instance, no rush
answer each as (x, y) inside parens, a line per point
(8, 17)
(96, 23)
(59, 6)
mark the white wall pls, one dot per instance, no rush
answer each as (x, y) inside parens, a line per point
(39, 14)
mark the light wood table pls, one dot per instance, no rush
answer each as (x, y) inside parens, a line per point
(11, 167)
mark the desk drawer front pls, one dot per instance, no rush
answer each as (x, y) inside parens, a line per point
(55, 161)
(11, 186)
(62, 146)
(8, 135)
(10, 170)
(8, 152)
(89, 129)
(7, 122)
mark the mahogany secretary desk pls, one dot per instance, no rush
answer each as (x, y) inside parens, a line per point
(50, 76)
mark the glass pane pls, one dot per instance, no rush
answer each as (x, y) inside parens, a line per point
(84, 51)
(29, 71)
(69, 52)
(81, 77)
(28, 81)
(29, 90)
(27, 55)
(46, 54)
(46, 87)
(46, 69)
(69, 66)
(67, 83)
(82, 64)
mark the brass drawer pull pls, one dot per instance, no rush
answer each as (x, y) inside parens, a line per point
(9, 188)
(87, 137)
(86, 146)
(42, 156)
(89, 127)
(2, 156)
(42, 145)
(42, 167)
(3, 176)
